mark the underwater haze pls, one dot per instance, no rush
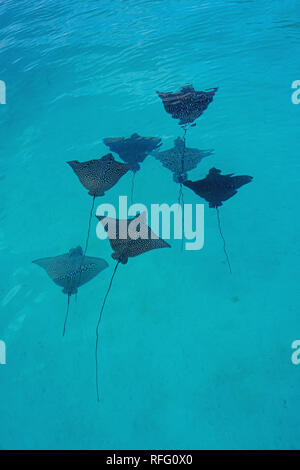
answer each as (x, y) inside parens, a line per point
(192, 357)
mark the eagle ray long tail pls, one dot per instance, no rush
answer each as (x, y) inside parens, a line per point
(87, 239)
(132, 186)
(181, 203)
(224, 244)
(89, 227)
(180, 196)
(97, 329)
(66, 319)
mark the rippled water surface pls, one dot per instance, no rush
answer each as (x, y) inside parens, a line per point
(191, 356)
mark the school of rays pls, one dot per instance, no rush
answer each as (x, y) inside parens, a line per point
(73, 269)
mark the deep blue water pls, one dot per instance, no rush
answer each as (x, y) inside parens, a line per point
(191, 357)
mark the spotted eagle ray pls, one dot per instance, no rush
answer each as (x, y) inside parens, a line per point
(187, 104)
(216, 188)
(133, 150)
(98, 176)
(172, 159)
(70, 272)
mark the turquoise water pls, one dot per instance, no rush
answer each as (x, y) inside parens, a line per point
(191, 357)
